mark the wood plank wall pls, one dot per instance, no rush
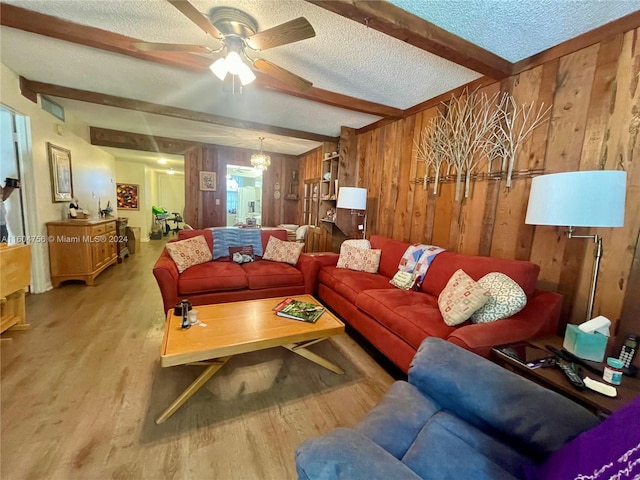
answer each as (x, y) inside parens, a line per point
(201, 209)
(594, 124)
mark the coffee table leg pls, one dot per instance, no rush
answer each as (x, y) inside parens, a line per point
(300, 349)
(216, 365)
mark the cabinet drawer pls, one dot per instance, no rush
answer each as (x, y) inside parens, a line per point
(99, 229)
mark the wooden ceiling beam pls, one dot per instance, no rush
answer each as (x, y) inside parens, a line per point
(41, 24)
(30, 87)
(103, 137)
(395, 22)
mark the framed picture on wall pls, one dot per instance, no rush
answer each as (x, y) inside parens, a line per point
(208, 181)
(127, 196)
(61, 174)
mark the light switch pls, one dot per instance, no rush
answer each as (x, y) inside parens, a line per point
(217, 201)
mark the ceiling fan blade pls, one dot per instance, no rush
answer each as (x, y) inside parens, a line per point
(282, 74)
(170, 47)
(289, 32)
(196, 17)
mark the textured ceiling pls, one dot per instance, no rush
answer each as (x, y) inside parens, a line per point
(345, 57)
(518, 29)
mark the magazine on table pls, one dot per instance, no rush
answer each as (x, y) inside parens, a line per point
(298, 310)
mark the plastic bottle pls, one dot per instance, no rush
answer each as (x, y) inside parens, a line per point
(185, 313)
(612, 371)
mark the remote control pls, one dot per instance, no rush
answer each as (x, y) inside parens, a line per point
(570, 357)
(572, 376)
(600, 387)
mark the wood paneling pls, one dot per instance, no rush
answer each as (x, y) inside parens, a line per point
(201, 209)
(594, 125)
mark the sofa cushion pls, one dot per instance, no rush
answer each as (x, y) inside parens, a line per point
(265, 274)
(396, 421)
(349, 283)
(446, 435)
(392, 252)
(359, 259)
(189, 252)
(212, 276)
(412, 316)
(460, 298)
(279, 251)
(446, 263)
(506, 298)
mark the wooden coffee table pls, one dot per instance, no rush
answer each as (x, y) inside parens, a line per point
(240, 327)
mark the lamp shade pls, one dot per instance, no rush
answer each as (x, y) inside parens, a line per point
(578, 199)
(353, 198)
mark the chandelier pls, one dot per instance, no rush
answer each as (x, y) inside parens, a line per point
(261, 161)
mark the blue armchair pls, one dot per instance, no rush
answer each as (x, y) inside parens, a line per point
(458, 416)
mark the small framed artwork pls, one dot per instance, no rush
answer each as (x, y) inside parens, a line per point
(208, 181)
(127, 196)
(61, 174)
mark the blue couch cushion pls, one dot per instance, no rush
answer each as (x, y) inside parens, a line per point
(397, 420)
(454, 449)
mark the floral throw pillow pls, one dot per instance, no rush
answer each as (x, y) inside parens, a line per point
(506, 298)
(359, 259)
(190, 252)
(279, 251)
(460, 298)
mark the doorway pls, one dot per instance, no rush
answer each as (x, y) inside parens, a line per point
(244, 196)
(12, 224)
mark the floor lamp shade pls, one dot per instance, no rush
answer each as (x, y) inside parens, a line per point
(352, 198)
(578, 199)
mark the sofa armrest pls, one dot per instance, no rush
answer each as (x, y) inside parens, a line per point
(538, 319)
(346, 454)
(309, 267)
(493, 398)
(166, 273)
(326, 259)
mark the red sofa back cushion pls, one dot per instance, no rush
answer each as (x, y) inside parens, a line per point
(392, 251)
(445, 264)
(279, 233)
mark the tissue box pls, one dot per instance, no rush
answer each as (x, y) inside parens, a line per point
(590, 346)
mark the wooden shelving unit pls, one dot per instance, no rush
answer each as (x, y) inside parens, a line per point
(329, 190)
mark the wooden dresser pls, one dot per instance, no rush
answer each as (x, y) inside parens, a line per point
(81, 249)
(15, 276)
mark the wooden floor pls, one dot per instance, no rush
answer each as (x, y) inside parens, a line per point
(81, 389)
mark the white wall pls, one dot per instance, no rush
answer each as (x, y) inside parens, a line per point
(136, 173)
(93, 170)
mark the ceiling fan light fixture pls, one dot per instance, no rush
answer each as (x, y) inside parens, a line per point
(219, 68)
(245, 74)
(261, 160)
(233, 62)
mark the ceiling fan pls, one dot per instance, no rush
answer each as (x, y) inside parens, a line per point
(238, 34)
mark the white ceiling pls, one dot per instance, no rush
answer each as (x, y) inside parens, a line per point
(344, 57)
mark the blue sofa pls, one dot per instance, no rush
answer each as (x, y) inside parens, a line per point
(458, 416)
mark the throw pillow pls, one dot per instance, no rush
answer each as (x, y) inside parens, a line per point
(460, 298)
(359, 259)
(403, 280)
(358, 243)
(190, 252)
(279, 251)
(241, 254)
(608, 450)
(506, 298)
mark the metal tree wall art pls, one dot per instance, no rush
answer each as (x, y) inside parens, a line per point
(516, 123)
(473, 128)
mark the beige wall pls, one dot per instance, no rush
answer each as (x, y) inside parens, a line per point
(93, 170)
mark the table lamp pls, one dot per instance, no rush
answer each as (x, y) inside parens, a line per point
(355, 199)
(579, 199)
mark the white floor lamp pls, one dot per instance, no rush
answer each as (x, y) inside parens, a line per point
(354, 199)
(580, 199)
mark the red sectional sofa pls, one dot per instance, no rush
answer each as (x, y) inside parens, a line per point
(221, 280)
(397, 321)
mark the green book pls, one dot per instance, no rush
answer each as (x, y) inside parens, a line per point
(298, 310)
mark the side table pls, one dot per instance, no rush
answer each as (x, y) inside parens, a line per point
(554, 379)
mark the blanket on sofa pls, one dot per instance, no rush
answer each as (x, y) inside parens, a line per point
(416, 260)
(225, 237)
